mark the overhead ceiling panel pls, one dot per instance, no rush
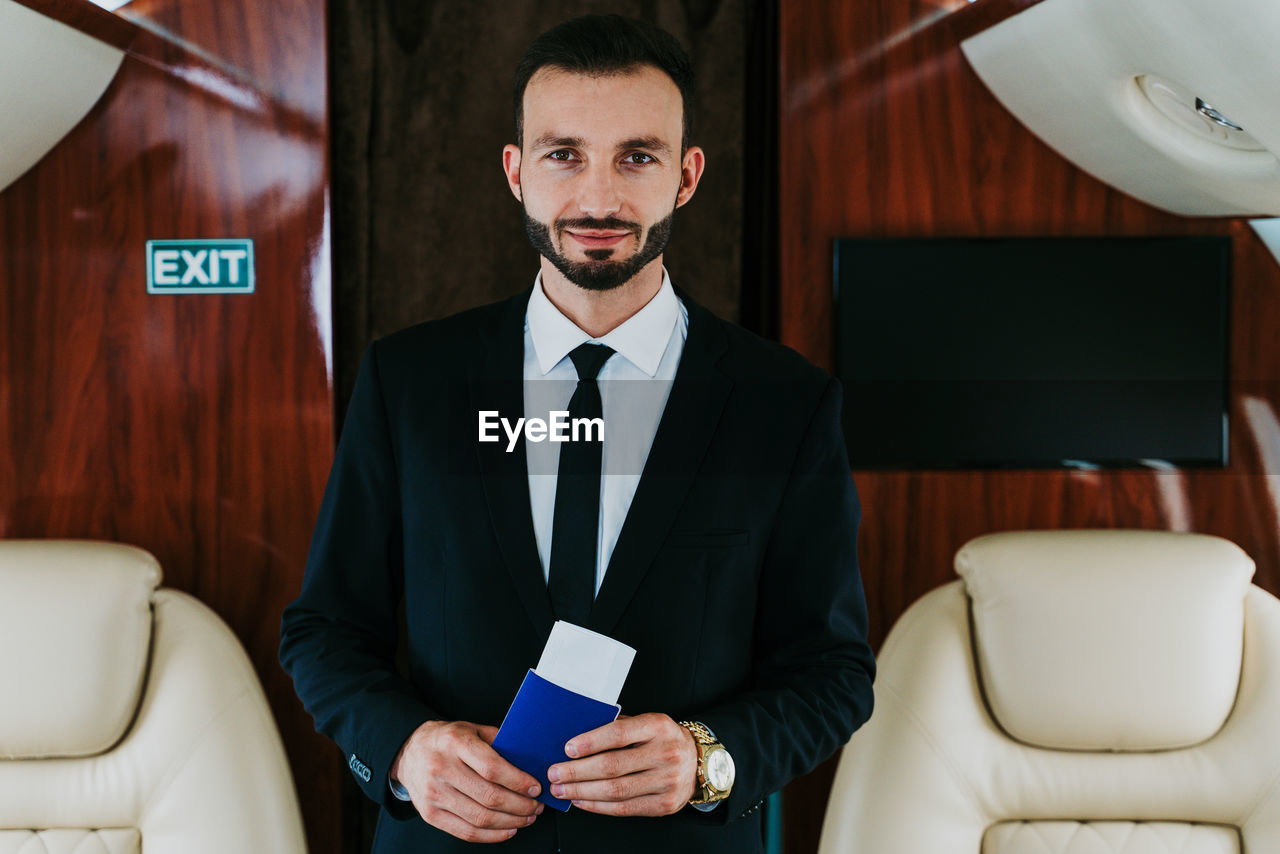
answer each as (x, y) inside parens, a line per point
(50, 77)
(1175, 102)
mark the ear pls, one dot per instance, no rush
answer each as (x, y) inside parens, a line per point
(690, 173)
(511, 166)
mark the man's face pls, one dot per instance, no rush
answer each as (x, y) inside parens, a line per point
(600, 172)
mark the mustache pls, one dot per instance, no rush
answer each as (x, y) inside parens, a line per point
(609, 223)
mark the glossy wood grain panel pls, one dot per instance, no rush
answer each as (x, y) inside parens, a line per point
(197, 426)
(87, 18)
(886, 132)
(979, 15)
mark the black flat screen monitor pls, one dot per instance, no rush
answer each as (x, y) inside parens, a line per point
(1033, 352)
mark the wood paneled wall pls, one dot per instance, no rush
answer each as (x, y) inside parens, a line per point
(885, 131)
(199, 427)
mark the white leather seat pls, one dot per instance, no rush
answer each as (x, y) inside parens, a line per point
(131, 717)
(1075, 692)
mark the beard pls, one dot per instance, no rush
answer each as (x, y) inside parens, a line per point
(601, 273)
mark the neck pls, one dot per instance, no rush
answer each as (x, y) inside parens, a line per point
(599, 312)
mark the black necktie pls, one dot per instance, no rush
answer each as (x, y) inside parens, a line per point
(577, 514)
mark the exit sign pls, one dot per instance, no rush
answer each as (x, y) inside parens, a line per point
(199, 266)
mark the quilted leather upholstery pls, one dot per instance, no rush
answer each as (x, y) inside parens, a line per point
(934, 770)
(197, 769)
(1110, 837)
(67, 841)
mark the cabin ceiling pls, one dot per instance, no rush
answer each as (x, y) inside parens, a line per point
(53, 75)
(1171, 101)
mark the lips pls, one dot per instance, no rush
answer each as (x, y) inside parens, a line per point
(599, 239)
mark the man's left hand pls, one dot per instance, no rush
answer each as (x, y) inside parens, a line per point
(646, 765)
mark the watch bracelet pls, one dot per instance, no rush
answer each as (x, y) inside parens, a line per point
(704, 737)
(701, 732)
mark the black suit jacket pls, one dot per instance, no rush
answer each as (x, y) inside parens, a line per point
(734, 576)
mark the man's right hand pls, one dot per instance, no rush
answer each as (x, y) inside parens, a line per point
(459, 784)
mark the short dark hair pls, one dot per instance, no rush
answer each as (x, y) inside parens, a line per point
(604, 45)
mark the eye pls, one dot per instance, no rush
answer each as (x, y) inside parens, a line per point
(562, 155)
(638, 158)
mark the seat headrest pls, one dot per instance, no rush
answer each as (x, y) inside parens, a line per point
(75, 633)
(1107, 640)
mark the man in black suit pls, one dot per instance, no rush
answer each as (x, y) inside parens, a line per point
(719, 542)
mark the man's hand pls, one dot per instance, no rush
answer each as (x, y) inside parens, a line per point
(459, 784)
(646, 765)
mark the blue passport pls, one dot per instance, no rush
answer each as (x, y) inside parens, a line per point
(542, 717)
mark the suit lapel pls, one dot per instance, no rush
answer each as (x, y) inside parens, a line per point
(685, 431)
(497, 383)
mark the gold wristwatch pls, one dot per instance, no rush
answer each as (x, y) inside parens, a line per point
(715, 765)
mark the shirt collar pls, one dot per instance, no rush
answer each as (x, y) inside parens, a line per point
(641, 339)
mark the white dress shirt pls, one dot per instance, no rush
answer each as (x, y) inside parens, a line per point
(634, 386)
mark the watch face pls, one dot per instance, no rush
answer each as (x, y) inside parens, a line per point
(720, 770)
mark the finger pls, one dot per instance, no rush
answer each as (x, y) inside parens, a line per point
(485, 761)
(649, 805)
(617, 789)
(462, 805)
(487, 733)
(620, 733)
(454, 825)
(492, 796)
(605, 766)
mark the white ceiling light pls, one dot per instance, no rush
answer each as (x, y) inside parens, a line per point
(1193, 114)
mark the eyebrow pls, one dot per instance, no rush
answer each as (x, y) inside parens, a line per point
(652, 143)
(549, 140)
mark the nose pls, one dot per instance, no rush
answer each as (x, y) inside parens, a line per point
(598, 195)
